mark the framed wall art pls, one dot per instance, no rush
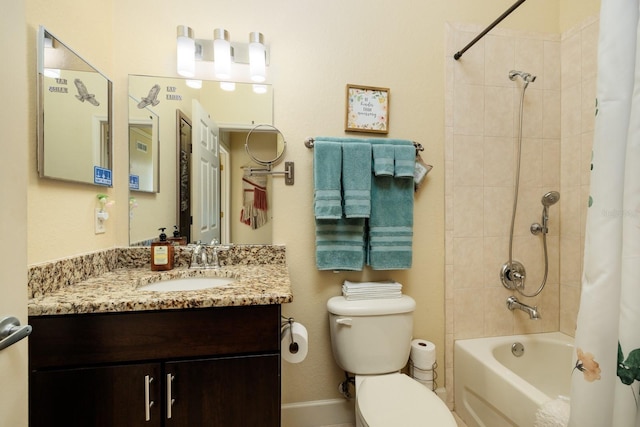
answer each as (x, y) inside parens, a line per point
(367, 109)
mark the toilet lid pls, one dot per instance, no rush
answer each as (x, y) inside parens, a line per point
(390, 400)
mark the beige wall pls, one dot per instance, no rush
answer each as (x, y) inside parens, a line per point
(13, 209)
(574, 12)
(60, 215)
(316, 49)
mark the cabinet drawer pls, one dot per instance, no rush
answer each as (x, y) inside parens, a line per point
(73, 340)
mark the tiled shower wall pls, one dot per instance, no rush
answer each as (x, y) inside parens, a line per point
(481, 128)
(579, 71)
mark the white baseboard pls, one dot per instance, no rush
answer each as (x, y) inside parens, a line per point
(318, 413)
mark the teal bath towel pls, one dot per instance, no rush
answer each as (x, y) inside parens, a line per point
(356, 179)
(327, 175)
(404, 161)
(391, 224)
(340, 244)
(383, 157)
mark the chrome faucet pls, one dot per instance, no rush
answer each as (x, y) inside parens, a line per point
(513, 303)
(205, 256)
(198, 256)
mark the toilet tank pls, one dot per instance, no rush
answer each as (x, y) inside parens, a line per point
(371, 336)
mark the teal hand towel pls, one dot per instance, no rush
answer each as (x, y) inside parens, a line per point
(383, 158)
(390, 235)
(404, 161)
(327, 174)
(356, 179)
(340, 244)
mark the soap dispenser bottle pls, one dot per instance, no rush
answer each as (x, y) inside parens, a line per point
(177, 239)
(161, 253)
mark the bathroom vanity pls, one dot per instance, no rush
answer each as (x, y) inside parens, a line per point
(214, 367)
(207, 357)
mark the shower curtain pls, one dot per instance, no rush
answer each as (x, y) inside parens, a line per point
(604, 388)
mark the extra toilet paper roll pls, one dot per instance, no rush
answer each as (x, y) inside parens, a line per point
(296, 351)
(423, 354)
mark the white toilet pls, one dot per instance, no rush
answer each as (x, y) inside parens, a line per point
(372, 339)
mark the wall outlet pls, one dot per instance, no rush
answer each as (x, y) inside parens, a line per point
(101, 222)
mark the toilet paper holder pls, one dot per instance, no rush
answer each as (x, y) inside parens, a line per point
(418, 375)
(287, 322)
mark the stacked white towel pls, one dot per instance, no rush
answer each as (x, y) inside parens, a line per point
(371, 290)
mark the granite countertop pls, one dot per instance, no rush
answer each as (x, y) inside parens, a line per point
(116, 291)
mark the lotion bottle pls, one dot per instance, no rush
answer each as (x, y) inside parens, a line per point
(161, 253)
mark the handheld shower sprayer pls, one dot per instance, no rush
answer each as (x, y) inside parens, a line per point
(549, 199)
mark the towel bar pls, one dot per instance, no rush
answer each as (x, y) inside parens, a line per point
(309, 143)
(288, 172)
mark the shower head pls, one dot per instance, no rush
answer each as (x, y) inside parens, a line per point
(550, 198)
(526, 77)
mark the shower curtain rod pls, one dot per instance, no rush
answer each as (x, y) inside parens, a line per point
(489, 28)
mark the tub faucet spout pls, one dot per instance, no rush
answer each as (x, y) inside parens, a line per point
(513, 303)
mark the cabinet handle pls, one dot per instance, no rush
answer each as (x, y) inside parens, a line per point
(11, 332)
(170, 399)
(147, 403)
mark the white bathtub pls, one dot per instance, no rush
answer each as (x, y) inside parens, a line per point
(494, 388)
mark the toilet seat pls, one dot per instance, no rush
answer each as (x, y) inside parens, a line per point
(396, 399)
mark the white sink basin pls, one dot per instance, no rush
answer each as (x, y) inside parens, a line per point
(187, 284)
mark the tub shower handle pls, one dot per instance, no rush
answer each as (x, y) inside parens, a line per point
(346, 321)
(11, 332)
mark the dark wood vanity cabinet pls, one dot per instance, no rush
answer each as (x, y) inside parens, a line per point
(213, 367)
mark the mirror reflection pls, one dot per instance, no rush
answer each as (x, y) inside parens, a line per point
(203, 195)
(144, 148)
(74, 116)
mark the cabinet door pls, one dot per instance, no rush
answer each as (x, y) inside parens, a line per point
(227, 392)
(111, 396)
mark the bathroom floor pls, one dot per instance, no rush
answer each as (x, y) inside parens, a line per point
(458, 420)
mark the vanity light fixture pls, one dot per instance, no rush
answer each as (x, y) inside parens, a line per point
(222, 52)
(53, 73)
(194, 84)
(186, 51)
(257, 57)
(259, 89)
(228, 86)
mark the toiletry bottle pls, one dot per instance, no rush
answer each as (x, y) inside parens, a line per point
(161, 253)
(177, 239)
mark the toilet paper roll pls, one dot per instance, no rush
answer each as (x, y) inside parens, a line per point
(421, 375)
(423, 354)
(296, 351)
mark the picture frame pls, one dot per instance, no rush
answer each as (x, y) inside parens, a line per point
(367, 109)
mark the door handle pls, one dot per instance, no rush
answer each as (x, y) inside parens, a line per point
(11, 332)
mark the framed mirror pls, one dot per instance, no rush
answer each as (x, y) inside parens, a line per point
(74, 115)
(232, 115)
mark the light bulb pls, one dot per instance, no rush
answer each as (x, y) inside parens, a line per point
(186, 52)
(221, 54)
(257, 57)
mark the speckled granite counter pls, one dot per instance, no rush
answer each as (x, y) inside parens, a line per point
(259, 280)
